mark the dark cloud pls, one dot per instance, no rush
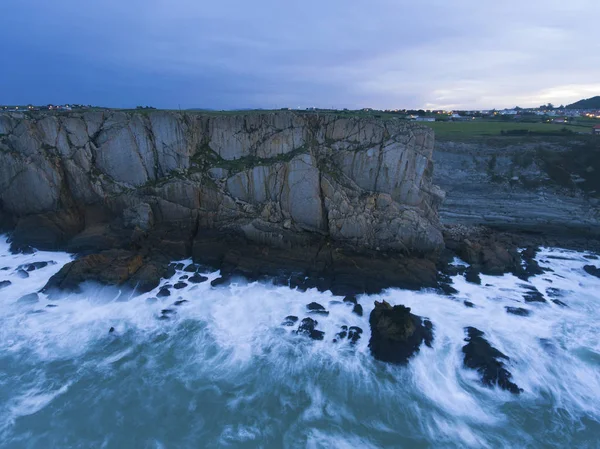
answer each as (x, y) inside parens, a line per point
(267, 53)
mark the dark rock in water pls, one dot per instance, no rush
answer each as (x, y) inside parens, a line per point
(177, 266)
(468, 304)
(307, 327)
(180, 301)
(472, 275)
(483, 357)
(191, 268)
(559, 257)
(558, 302)
(351, 299)
(31, 298)
(22, 274)
(317, 308)
(4, 268)
(163, 292)
(163, 317)
(223, 280)
(197, 278)
(447, 289)
(167, 311)
(51, 306)
(517, 311)
(354, 333)
(532, 294)
(111, 330)
(358, 309)
(591, 269)
(397, 334)
(591, 257)
(184, 277)
(289, 320)
(530, 266)
(180, 285)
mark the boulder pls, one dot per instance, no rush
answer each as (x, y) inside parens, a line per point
(4, 284)
(397, 334)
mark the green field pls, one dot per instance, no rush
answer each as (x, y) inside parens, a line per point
(476, 128)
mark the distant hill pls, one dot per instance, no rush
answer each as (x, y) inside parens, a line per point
(590, 103)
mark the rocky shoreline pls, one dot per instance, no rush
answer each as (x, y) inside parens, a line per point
(336, 204)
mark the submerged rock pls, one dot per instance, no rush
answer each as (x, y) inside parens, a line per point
(307, 327)
(180, 302)
(22, 274)
(483, 357)
(532, 294)
(180, 285)
(397, 334)
(31, 298)
(468, 304)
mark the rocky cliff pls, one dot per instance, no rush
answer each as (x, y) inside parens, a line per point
(280, 179)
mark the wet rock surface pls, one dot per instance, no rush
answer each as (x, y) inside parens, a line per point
(397, 334)
(487, 361)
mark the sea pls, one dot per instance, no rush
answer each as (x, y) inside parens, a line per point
(213, 367)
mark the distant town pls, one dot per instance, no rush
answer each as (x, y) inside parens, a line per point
(582, 120)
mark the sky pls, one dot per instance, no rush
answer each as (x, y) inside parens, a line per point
(230, 54)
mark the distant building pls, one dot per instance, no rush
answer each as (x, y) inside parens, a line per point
(596, 130)
(424, 119)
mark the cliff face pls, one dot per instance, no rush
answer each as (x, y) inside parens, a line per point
(277, 178)
(543, 185)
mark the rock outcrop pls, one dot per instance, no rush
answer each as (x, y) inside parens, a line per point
(277, 178)
(397, 334)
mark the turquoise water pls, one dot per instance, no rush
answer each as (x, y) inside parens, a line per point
(223, 372)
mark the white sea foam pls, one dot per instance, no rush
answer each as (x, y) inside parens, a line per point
(223, 371)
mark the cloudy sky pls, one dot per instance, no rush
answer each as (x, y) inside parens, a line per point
(298, 53)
